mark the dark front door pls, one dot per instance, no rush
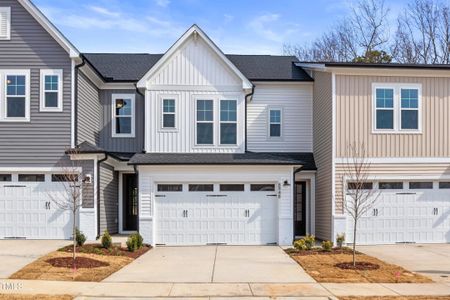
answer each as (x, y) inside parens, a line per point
(130, 202)
(300, 209)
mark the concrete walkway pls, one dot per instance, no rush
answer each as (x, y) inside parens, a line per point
(213, 264)
(199, 290)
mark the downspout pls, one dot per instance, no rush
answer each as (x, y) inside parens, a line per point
(143, 96)
(77, 67)
(98, 192)
(245, 120)
(136, 171)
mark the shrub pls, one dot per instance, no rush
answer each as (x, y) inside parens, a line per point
(139, 240)
(340, 240)
(106, 240)
(327, 246)
(300, 244)
(134, 242)
(310, 241)
(79, 237)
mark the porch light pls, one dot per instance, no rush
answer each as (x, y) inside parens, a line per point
(286, 183)
(120, 103)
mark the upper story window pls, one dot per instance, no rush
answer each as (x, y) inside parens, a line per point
(5, 23)
(397, 108)
(275, 122)
(16, 106)
(168, 113)
(228, 122)
(205, 122)
(51, 91)
(123, 114)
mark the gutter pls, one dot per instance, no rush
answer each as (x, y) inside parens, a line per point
(77, 67)
(245, 120)
(98, 193)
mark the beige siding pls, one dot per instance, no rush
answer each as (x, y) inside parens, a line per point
(322, 136)
(354, 118)
(380, 171)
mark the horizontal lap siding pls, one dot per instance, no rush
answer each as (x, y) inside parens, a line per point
(88, 188)
(355, 118)
(89, 111)
(109, 199)
(42, 141)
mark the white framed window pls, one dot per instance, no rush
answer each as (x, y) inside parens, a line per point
(51, 91)
(5, 23)
(275, 122)
(16, 96)
(396, 108)
(123, 115)
(228, 122)
(204, 122)
(169, 113)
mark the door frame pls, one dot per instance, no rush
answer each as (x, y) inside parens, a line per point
(310, 178)
(121, 231)
(304, 205)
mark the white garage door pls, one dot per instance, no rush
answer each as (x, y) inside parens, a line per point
(27, 209)
(200, 214)
(407, 212)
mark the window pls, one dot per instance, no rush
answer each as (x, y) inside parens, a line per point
(228, 122)
(123, 115)
(442, 184)
(168, 120)
(231, 187)
(170, 187)
(5, 23)
(201, 188)
(275, 123)
(64, 177)
(262, 187)
(5, 177)
(390, 185)
(397, 107)
(420, 185)
(205, 122)
(51, 90)
(32, 177)
(17, 104)
(361, 186)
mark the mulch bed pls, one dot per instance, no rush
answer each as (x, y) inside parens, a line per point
(319, 251)
(359, 265)
(115, 250)
(80, 262)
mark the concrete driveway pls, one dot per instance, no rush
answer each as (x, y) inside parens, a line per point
(15, 254)
(218, 264)
(432, 260)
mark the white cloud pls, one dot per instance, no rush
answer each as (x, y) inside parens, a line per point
(269, 27)
(103, 11)
(228, 18)
(162, 3)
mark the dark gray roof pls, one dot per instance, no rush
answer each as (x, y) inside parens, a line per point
(248, 158)
(132, 67)
(86, 147)
(380, 65)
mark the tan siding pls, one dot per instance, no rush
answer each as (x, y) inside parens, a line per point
(354, 118)
(322, 136)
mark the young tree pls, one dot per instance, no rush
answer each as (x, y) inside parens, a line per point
(358, 197)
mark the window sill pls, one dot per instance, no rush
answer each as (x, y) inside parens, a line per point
(396, 132)
(23, 120)
(123, 136)
(53, 110)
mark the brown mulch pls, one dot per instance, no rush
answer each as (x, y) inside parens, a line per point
(115, 250)
(396, 298)
(359, 265)
(80, 262)
(33, 297)
(319, 251)
(322, 267)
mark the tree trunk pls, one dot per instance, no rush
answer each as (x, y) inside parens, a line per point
(354, 242)
(74, 235)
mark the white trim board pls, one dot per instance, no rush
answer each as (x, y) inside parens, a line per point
(400, 160)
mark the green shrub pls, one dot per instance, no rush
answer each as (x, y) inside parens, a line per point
(134, 242)
(327, 246)
(310, 241)
(79, 237)
(340, 240)
(300, 244)
(106, 240)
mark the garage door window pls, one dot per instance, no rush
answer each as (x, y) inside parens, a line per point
(201, 188)
(420, 185)
(444, 185)
(390, 185)
(64, 177)
(262, 187)
(170, 187)
(360, 186)
(5, 177)
(231, 187)
(32, 177)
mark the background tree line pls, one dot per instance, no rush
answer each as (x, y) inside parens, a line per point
(421, 35)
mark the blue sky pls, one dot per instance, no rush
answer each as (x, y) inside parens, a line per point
(152, 26)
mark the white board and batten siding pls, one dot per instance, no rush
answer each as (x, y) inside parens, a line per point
(295, 102)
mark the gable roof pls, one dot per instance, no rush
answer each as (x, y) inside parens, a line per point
(116, 67)
(50, 28)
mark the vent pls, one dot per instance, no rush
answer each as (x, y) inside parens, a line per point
(5, 23)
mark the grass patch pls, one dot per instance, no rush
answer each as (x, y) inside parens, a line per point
(321, 265)
(34, 297)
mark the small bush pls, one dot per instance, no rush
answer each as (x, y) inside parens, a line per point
(134, 242)
(300, 244)
(327, 246)
(310, 241)
(340, 240)
(80, 237)
(106, 240)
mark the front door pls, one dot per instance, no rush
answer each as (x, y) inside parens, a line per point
(300, 209)
(130, 202)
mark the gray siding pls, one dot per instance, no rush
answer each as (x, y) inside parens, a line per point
(88, 188)
(89, 111)
(322, 137)
(109, 200)
(42, 141)
(109, 143)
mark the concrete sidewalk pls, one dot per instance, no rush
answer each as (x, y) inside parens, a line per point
(85, 290)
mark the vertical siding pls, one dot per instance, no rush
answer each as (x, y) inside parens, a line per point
(109, 200)
(89, 111)
(42, 141)
(121, 144)
(322, 125)
(354, 118)
(296, 103)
